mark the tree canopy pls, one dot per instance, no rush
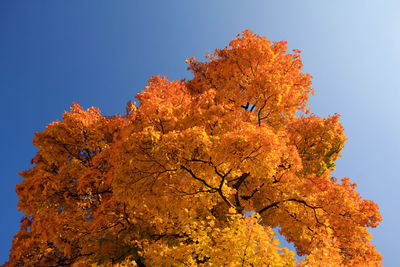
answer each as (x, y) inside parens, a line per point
(200, 172)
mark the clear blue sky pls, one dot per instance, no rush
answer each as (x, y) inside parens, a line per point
(101, 53)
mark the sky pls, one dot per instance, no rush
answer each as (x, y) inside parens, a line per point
(101, 53)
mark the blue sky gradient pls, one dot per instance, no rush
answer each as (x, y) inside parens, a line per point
(101, 53)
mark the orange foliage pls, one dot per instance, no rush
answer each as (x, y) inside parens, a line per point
(200, 173)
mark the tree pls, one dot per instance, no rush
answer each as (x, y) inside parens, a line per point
(201, 172)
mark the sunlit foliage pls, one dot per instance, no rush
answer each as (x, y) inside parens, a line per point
(199, 173)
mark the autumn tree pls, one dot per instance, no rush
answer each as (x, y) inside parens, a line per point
(201, 172)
